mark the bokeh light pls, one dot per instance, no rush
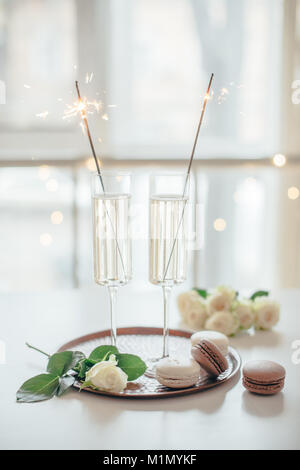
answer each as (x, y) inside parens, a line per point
(220, 225)
(45, 239)
(293, 192)
(279, 160)
(52, 185)
(91, 165)
(57, 217)
(44, 172)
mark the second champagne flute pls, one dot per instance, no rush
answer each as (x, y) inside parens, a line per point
(168, 241)
(111, 230)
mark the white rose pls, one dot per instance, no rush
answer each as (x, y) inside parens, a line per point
(244, 312)
(224, 322)
(193, 309)
(267, 313)
(220, 300)
(107, 376)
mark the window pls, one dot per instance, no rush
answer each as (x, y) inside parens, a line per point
(162, 54)
(150, 62)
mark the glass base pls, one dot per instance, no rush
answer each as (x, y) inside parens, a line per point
(151, 367)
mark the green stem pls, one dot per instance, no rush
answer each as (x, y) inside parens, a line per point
(36, 349)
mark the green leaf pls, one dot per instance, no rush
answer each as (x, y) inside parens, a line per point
(64, 384)
(132, 365)
(201, 292)
(38, 388)
(60, 363)
(102, 352)
(259, 293)
(87, 383)
(83, 366)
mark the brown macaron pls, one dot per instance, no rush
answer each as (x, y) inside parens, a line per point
(210, 358)
(263, 377)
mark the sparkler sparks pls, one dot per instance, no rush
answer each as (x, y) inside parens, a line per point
(43, 114)
(83, 107)
(89, 78)
(82, 127)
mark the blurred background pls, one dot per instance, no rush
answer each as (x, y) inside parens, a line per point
(144, 65)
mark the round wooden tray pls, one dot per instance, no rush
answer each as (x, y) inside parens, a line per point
(147, 343)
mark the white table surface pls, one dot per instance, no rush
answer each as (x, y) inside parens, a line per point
(226, 417)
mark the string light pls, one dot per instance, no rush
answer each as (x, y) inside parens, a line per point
(44, 172)
(42, 115)
(220, 225)
(45, 239)
(279, 160)
(293, 193)
(90, 164)
(52, 185)
(57, 217)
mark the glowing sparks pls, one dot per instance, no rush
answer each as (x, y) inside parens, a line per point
(223, 95)
(105, 117)
(43, 114)
(82, 127)
(82, 107)
(89, 78)
(279, 160)
(26, 86)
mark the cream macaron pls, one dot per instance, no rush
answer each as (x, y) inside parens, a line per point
(220, 340)
(178, 372)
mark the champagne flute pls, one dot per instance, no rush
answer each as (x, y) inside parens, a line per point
(168, 241)
(111, 234)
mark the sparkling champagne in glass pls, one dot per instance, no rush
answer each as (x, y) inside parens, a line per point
(111, 235)
(168, 240)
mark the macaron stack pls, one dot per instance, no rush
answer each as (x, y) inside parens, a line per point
(208, 350)
(210, 357)
(220, 340)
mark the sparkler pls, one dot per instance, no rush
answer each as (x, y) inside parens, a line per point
(206, 98)
(81, 107)
(82, 110)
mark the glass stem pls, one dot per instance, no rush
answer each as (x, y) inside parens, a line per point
(166, 293)
(113, 325)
